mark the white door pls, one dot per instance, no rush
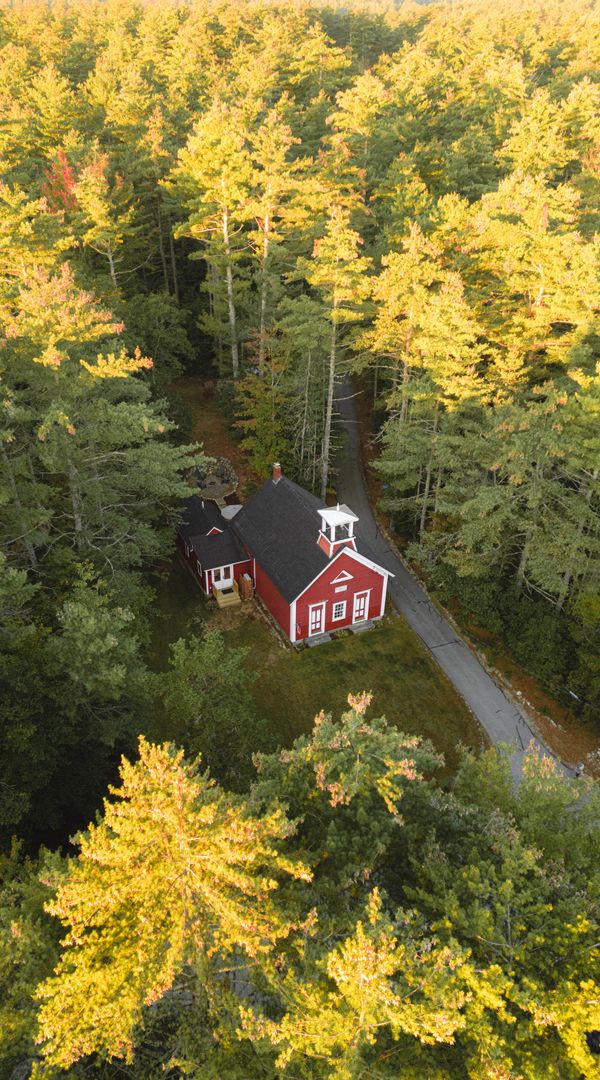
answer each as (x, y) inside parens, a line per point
(361, 607)
(223, 577)
(316, 619)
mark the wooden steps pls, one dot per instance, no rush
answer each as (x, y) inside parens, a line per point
(228, 597)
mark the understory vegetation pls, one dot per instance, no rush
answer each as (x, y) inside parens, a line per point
(276, 197)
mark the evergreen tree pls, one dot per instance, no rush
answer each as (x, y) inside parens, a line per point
(338, 274)
(213, 179)
(132, 927)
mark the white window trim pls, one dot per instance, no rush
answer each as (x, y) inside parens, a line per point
(312, 607)
(338, 603)
(222, 578)
(367, 594)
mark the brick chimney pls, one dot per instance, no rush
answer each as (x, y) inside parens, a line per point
(276, 472)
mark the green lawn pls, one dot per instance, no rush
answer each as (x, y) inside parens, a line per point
(408, 687)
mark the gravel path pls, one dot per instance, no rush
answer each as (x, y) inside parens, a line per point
(498, 714)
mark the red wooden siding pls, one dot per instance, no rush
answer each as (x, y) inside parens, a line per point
(363, 579)
(239, 568)
(272, 598)
(191, 561)
(322, 589)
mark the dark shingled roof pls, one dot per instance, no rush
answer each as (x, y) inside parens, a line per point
(222, 549)
(199, 516)
(280, 525)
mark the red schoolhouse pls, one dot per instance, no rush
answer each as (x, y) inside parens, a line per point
(307, 562)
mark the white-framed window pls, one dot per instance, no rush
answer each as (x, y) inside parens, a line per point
(339, 610)
(361, 606)
(222, 573)
(316, 618)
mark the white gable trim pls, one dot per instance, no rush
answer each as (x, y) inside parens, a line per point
(369, 562)
(353, 555)
(342, 576)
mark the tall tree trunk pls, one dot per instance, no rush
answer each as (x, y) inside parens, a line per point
(521, 568)
(161, 246)
(29, 548)
(212, 293)
(427, 489)
(405, 382)
(569, 573)
(111, 268)
(405, 374)
(173, 263)
(75, 493)
(263, 294)
(329, 407)
(305, 411)
(235, 362)
(438, 488)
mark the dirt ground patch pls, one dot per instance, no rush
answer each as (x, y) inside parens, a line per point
(210, 428)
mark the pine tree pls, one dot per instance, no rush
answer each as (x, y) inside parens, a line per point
(213, 179)
(104, 216)
(339, 275)
(132, 927)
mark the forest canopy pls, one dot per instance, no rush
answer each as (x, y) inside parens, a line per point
(278, 197)
(282, 194)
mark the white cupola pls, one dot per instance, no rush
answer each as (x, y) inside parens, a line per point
(337, 528)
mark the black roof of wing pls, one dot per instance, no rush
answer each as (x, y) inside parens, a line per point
(222, 549)
(199, 516)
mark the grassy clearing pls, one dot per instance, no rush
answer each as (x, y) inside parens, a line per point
(291, 687)
(408, 687)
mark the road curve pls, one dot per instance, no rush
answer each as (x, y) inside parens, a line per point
(499, 716)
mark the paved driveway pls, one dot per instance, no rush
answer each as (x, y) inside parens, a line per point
(500, 717)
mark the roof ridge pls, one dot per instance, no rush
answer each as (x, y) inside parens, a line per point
(303, 496)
